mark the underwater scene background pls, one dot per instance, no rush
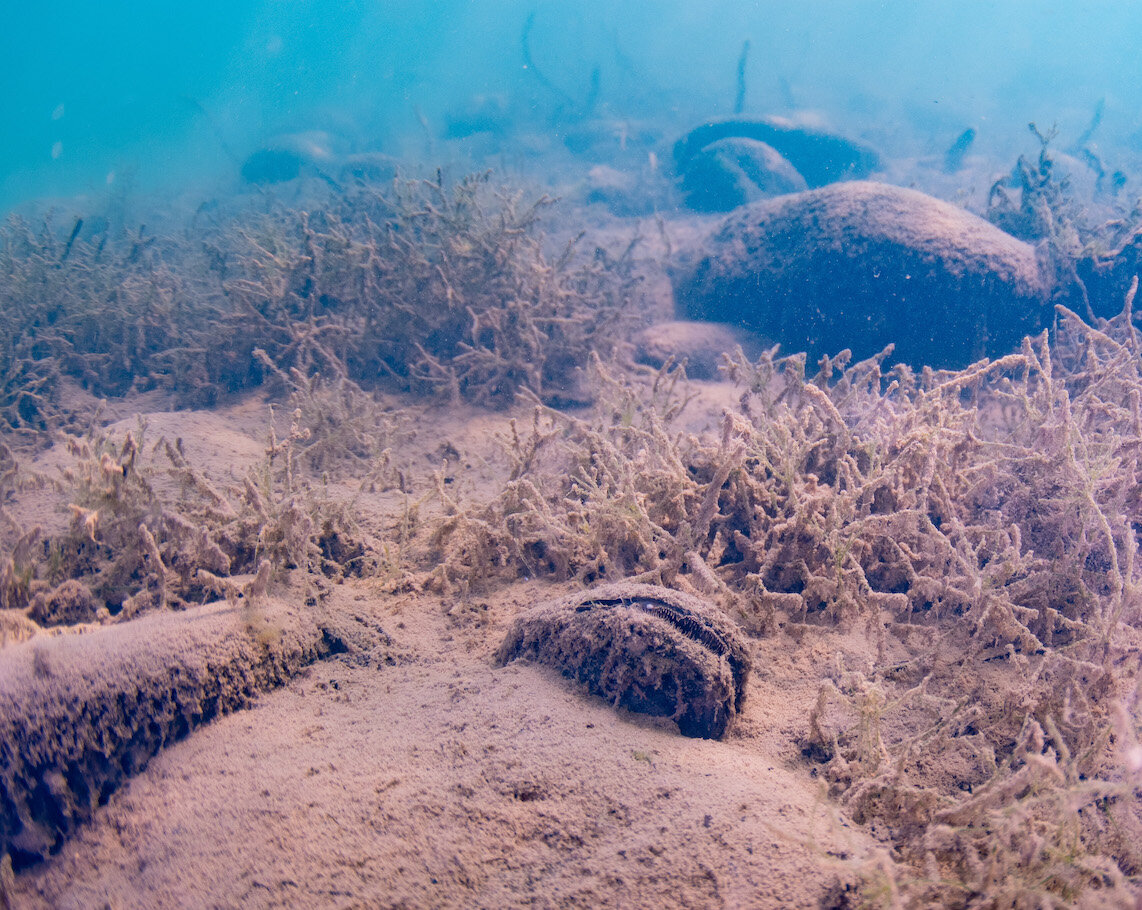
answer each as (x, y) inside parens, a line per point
(547, 454)
(164, 96)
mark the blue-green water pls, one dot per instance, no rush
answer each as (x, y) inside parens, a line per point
(169, 97)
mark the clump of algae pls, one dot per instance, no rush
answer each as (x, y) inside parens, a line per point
(442, 289)
(448, 288)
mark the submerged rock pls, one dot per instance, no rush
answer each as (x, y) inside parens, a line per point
(649, 649)
(700, 344)
(861, 265)
(732, 172)
(289, 156)
(368, 167)
(480, 114)
(618, 191)
(272, 165)
(819, 156)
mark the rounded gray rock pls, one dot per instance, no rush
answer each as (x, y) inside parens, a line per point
(860, 265)
(735, 171)
(819, 156)
(700, 344)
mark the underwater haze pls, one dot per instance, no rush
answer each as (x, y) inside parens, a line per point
(173, 97)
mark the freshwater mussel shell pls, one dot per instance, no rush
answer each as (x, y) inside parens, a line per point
(646, 648)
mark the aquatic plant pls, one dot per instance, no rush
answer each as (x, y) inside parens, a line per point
(436, 288)
(417, 284)
(105, 314)
(597, 498)
(342, 429)
(149, 530)
(1033, 202)
(979, 525)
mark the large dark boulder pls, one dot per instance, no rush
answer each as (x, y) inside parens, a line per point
(860, 265)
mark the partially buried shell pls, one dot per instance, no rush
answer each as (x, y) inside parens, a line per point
(646, 648)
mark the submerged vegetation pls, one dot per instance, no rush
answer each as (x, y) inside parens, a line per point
(446, 290)
(425, 285)
(980, 527)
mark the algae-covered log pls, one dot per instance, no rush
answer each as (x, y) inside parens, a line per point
(81, 713)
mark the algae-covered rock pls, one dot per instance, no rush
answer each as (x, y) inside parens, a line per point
(736, 171)
(820, 156)
(861, 265)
